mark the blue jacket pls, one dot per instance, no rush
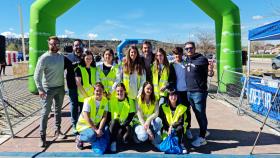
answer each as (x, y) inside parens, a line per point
(196, 73)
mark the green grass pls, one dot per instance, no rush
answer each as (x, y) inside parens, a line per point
(263, 55)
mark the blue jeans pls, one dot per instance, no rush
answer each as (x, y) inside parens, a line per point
(56, 94)
(73, 98)
(198, 103)
(88, 135)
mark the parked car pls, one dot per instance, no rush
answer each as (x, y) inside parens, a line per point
(276, 62)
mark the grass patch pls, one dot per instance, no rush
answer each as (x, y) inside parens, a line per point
(263, 56)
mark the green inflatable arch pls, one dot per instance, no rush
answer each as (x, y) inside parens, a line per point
(44, 13)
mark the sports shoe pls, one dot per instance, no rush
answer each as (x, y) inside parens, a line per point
(189, 134)
(114, 147)
(80, 144)
(59, 135)
(184, 150)
(199, 141)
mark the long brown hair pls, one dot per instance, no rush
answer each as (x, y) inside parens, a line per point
(152, 97)
(165, 60)
(123, 86)
(130, 66)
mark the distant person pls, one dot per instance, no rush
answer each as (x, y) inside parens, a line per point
(181, 85)
(197, 71)
(3, 67)
(20, 56)
(133, 72)
(85, 76)
(75, 58)
(108, 72)
(49, 79)
(148, 58)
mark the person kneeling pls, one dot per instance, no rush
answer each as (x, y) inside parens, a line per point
(173, 116)
(121, 111)
(91, 123)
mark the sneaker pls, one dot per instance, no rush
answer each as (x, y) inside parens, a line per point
(80, 144)
(184, 150)
(189, 134)
(42, 142)
(60, 135)
(114, 147)
(199, 142)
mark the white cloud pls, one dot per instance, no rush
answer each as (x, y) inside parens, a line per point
(257, 17)
(92, 35)
(11, 29)
(63, 36)
(69, 33)
(115, 39)
(9, 34)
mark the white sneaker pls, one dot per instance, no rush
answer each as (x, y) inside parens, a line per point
(189, 134)
(199, 142)
(185, 151)
(114, 147)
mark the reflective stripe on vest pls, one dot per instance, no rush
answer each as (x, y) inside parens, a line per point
(147, 110)
(82, 124)
(87, 87)
(159, 83)
(119, 110)
(108, 80)
(180, 110)
(126, 81)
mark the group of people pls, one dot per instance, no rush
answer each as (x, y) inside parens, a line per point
(142, 98)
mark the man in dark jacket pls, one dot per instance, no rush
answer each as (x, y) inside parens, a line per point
(148, 58)
(75, 59)
(197, 71)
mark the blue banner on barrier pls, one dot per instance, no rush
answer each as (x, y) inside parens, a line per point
(260, 99)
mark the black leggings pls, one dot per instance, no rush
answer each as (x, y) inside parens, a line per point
(117, 130)
(2, 69)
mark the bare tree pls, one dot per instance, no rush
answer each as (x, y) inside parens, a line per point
(205, 41)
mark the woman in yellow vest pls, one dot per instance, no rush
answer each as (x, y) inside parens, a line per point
(163, 75)
(91, 123)
(149, 124)
(108, 72)
(121, 112)
(85, 78)
(134, 74)
(173, 117)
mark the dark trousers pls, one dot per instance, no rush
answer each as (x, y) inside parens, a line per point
(198, 103)
(117, 130)
(179, 133)
(74, 107)
(183, 99)
(2, 69)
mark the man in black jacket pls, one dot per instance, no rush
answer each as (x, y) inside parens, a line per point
(197, 71)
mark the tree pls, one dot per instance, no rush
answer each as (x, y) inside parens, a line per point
(12, 47)
(205, 41)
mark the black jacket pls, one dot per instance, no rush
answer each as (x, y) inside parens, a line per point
(197, 73)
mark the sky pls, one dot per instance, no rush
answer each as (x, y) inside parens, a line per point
(175, 21)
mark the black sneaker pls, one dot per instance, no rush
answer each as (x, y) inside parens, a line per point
(80, 144)
(42, 142)
(60, 135)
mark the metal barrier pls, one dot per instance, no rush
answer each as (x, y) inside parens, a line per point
(16, 103)
(237, 94)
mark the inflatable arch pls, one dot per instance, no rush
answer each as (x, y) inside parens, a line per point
(225, 13)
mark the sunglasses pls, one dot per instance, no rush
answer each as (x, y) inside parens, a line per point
(189, 48)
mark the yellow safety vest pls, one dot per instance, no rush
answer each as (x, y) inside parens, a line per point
(126, 81)
(171, 119)
(82, 124)
(87, 87)
(159, 82)
(108, 80)
(120, 110)
(147, 110)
